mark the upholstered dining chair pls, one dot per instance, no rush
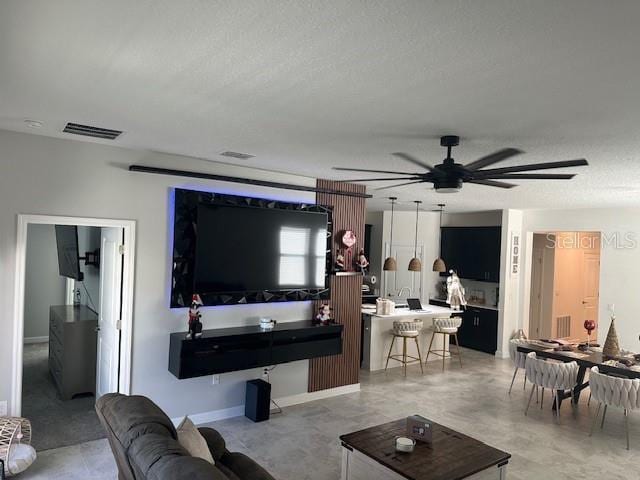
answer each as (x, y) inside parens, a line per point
(556, 376)
(519, 359)
(447, 327)
(405, 330)
(615, 391)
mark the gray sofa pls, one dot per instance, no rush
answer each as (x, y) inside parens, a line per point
(144, 444)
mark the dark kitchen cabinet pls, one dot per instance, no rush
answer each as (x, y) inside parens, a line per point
(473, 252)
(479, 329)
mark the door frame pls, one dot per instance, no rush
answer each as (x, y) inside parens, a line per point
(128, 266)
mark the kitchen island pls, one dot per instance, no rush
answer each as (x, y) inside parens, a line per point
(376, 339)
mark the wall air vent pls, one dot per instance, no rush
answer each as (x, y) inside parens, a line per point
(89, 131)
(563, 327)
(241, 156)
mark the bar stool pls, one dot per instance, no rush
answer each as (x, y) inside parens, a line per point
(405, 330)
(447, 327)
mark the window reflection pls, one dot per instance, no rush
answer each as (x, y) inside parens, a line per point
(302, 257)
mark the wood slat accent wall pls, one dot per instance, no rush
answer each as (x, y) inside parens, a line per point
(346, 295)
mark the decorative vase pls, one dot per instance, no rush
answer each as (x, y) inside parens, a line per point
(611, 345)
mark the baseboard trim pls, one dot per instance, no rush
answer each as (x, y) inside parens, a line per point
(238, 411)
(501, 354)
(319, 395)
(28, 340)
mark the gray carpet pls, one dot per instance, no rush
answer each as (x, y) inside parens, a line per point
(55, 422)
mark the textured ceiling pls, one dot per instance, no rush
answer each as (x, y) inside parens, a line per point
(307, 85)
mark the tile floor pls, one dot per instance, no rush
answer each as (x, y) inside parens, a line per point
(302, 443)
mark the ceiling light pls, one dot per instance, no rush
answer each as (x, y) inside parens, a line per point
(415, 265)
(390, 264)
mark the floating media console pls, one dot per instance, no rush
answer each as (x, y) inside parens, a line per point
(241, 348)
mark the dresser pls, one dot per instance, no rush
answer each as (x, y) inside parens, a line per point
(72, 349)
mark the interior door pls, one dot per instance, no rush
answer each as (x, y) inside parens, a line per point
(591, 285)
(110, 309)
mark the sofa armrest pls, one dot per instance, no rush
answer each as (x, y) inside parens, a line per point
(215, 442)
(244, 467)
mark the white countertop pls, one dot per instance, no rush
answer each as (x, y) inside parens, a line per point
(470, 304)
(427, 311)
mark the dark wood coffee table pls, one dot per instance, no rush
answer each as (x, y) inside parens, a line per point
(370, 455)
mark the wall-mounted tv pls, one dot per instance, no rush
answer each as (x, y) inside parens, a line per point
(235, 250)
(68, 254)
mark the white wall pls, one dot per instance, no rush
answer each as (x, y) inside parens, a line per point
(43, 284)
(619, 263)
(88, 241)
(37, 176)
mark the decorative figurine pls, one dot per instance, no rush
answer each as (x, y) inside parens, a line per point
(339, 261)
(325, 314)
(455, 291)
(195, 325)
(362, 262)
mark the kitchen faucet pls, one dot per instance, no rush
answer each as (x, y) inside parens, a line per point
(402, 290)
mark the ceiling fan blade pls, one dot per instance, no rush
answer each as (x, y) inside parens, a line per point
(495, 157)
(531, 166)
(492, 183)
(374, 171)
(376, 179)
(401, 184)
(414, 160)
(530, 176)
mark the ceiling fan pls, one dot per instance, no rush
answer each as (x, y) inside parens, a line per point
(448, 176)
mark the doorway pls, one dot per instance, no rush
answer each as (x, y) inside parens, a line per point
(72, 341)
(565, 284)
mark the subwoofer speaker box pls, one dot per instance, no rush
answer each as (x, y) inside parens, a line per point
(258, 400)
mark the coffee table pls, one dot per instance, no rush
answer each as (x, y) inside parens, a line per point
(370, 455)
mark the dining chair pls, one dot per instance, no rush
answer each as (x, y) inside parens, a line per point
(519, 359)
(447, 327)
(556, 376)
(405, 330)
(615, 391)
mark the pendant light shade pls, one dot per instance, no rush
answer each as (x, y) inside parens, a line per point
(390, 264)
(415, 265)
(438, 264)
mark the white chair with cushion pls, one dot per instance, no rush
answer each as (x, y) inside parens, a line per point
(615, 391)
(556, 376)
(519, 360)
(405, 330)
(447, 327)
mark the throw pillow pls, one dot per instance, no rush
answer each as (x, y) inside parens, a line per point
(193, 441)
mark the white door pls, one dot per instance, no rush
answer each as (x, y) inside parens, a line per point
(109, 316)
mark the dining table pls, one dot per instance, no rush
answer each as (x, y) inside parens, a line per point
(586, 359)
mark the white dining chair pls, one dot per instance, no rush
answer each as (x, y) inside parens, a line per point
(519, 360)
(556, 376)
(615, 391)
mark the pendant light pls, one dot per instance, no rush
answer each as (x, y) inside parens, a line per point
(390, 262)
(415, 265)
(438, 264)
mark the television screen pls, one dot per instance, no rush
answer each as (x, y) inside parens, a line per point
(242, 249)
(68, 255)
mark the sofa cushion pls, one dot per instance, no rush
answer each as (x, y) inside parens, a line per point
(174, 467)
(244, 467)
(193, 441)
(214, 440)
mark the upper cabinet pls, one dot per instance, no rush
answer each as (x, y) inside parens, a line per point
(473, 252)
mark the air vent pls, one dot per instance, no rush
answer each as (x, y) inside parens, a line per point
(241, 156)
(89, 131)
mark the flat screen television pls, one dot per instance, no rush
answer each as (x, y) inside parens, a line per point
(234, 250)
(68, 252)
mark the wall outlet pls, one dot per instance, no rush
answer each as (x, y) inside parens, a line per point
(216, 379)
(3, 408)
